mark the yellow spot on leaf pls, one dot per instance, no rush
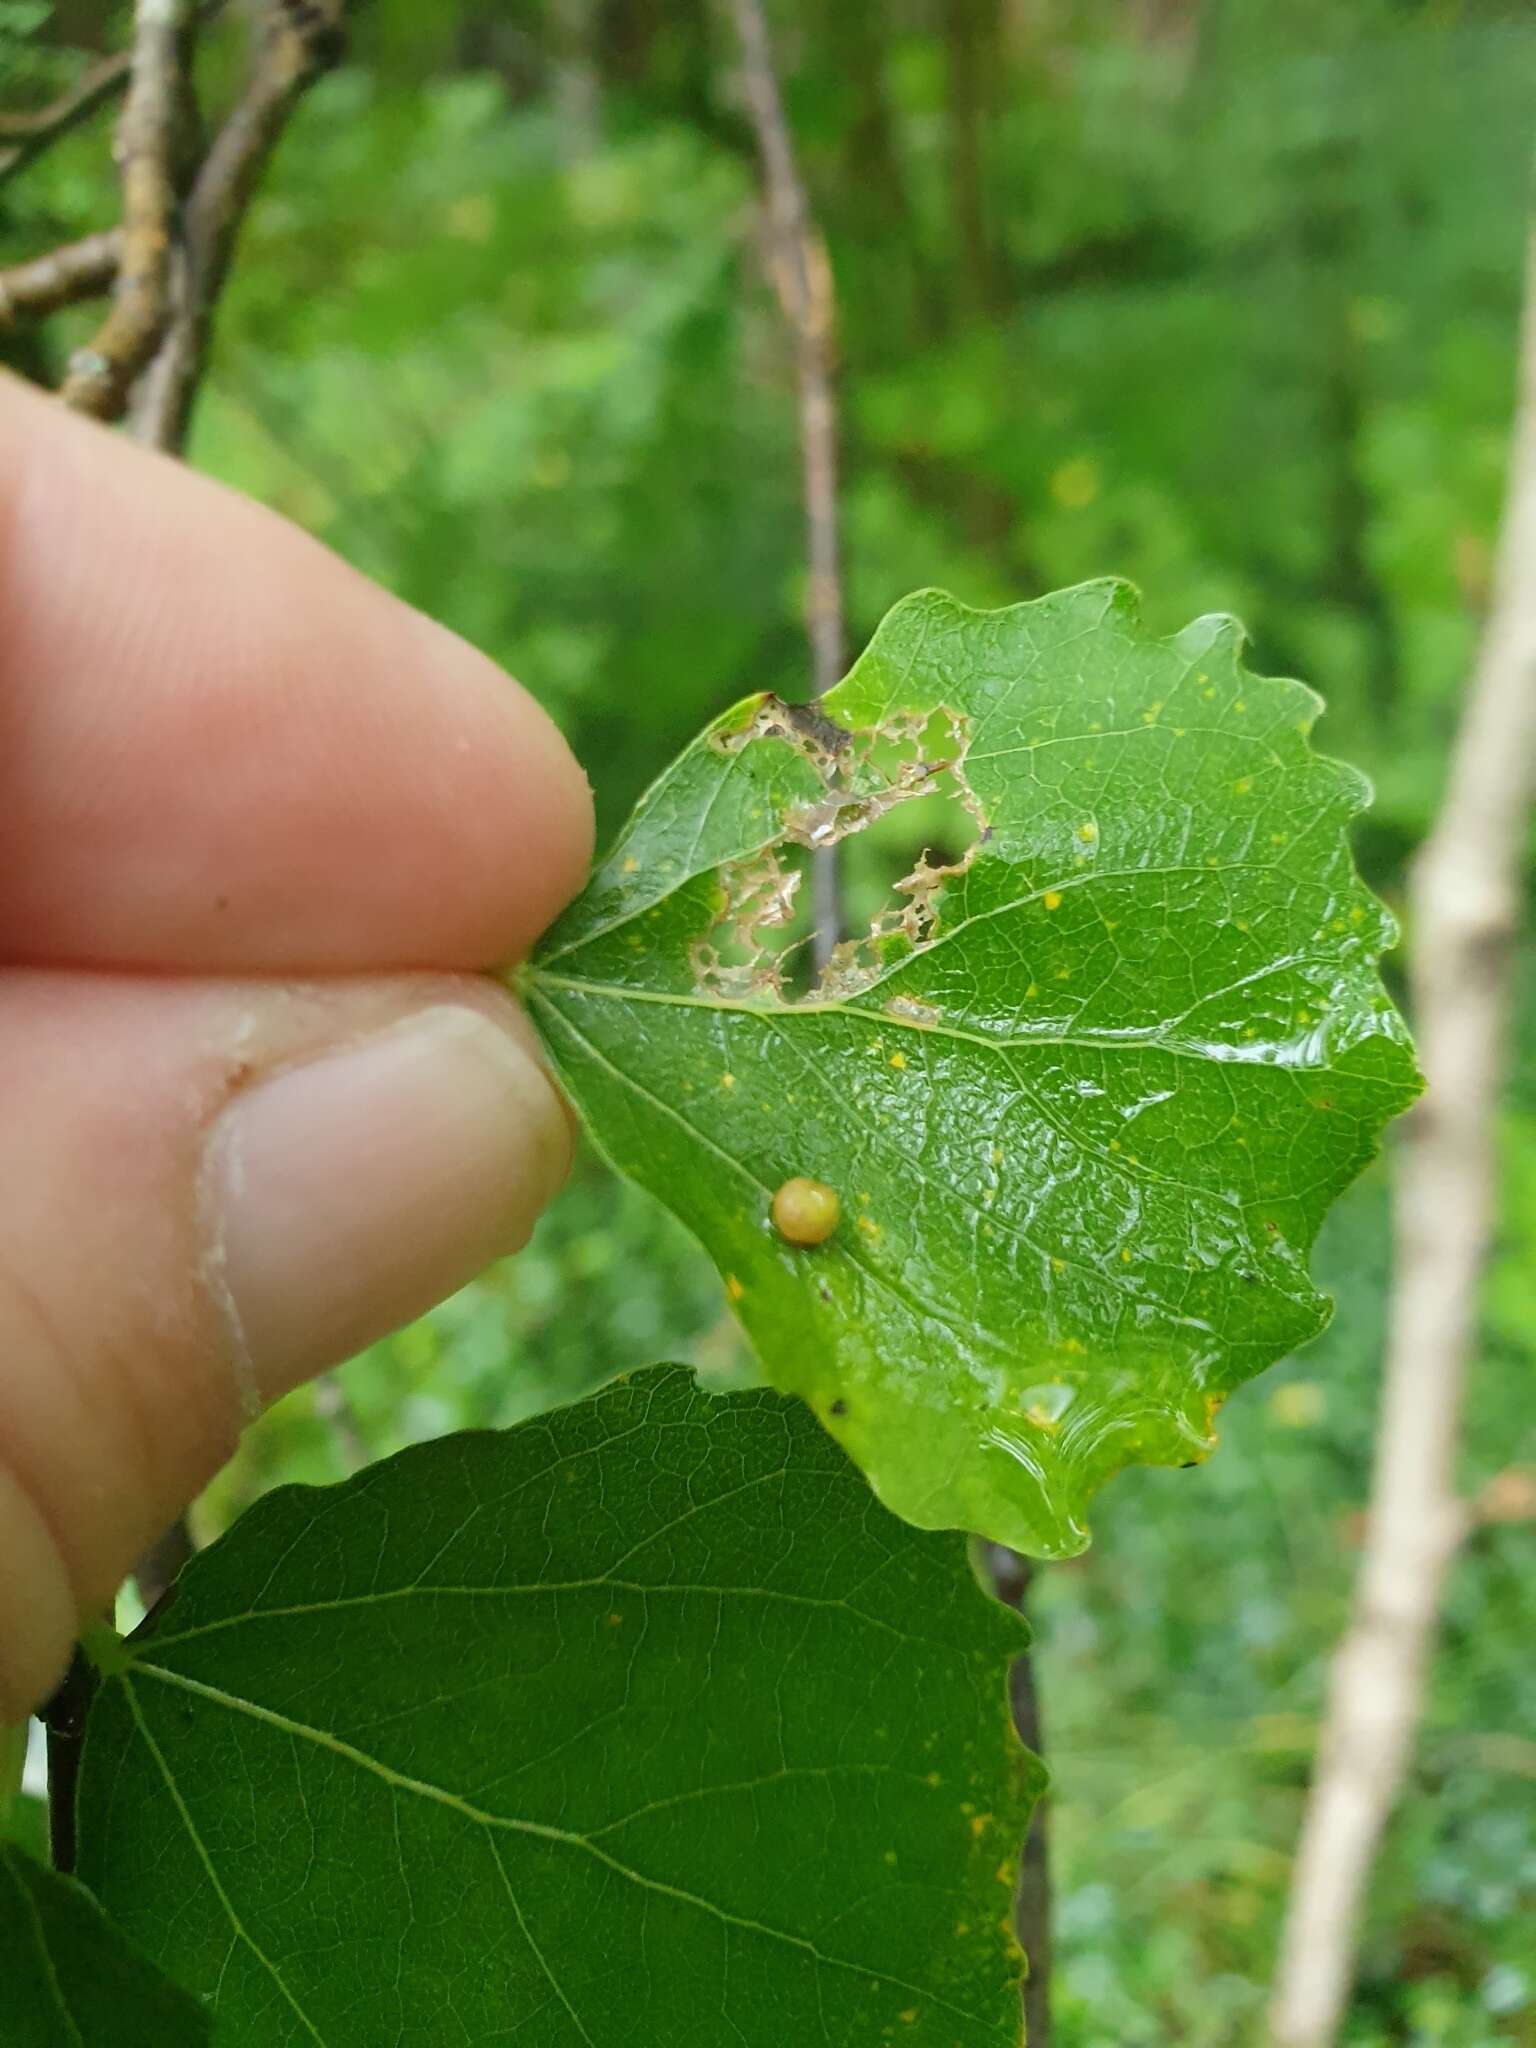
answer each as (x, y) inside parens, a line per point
(1052, 899)
(898, 1059)
(727, 1080)
(1088, 832)
(1242, 785)
(733, 1287)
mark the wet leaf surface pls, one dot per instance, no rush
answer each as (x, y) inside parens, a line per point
(1084, 1093)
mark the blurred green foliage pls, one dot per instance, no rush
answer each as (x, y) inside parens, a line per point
(1210, 293)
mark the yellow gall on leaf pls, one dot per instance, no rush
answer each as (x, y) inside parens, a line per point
(805, 1212)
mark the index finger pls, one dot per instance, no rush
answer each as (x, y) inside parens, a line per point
(221, 748)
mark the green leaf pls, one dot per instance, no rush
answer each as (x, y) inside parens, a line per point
(67, 1977)
(640, 1723)
(1086, 1094)
(13, 1758)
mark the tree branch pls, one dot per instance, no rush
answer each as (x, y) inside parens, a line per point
(24, 137)
(295, 40)
(1464, 912)
(101, 374)
(64, 1718)
(802, 278)
(78, 270)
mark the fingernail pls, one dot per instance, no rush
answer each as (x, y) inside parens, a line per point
(348, 1195)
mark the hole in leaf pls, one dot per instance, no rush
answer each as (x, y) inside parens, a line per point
(906, 825)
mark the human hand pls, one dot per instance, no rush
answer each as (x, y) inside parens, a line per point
(259, 825)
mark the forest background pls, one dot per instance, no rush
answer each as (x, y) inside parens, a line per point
(1215, 294)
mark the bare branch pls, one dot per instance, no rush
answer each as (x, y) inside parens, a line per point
(803, 279)
(64, 1718)
(101, 374)
(1465, 897)
(79, 270)
(295, 40)
(24, 137)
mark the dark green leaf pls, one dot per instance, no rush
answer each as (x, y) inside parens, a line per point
(1086, 1094)
(68, 1979)
(641, 1723)
(27, 1826)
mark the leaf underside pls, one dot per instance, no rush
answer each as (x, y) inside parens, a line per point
(641, 1723)
(67, 1977)
(1085, 1094)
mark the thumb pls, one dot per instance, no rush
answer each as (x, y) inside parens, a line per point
(229, 1186)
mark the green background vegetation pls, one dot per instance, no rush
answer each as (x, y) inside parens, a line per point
(1218, 296)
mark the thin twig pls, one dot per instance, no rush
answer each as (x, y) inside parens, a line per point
(24, 137)
(76, 271)
(1013, 1575)
(802, 278)
(1465, 902)
(295, 40)
(101, 374)
(64, 1718)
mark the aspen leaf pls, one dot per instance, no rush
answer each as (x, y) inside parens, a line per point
(1084, 1095)
(641, 1722)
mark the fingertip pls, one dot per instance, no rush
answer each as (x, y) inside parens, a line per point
(229, 751)
(515, 826)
